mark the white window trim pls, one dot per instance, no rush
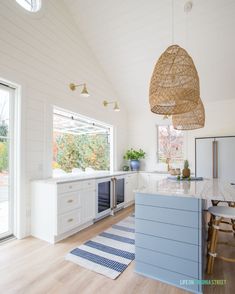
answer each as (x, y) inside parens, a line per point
(185, 147)
(39, 5)
(33, 15)
(49, 170)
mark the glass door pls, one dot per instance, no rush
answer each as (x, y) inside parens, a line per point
(104, 195)
(120, 187)
(6, 160)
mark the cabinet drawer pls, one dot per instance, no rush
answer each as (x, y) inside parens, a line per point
(131, 176)
(69, 221)
(68, 187)
(86, 185)
(69, 201)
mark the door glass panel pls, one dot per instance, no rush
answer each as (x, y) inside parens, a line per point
(120, 183)
(103, 196)
(5, 201)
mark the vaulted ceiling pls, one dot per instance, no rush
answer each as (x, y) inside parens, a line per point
(128, 36)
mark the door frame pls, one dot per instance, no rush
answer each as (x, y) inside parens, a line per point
(11, 155)
(15, 168)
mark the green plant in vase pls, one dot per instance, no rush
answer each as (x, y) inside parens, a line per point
(134, 157)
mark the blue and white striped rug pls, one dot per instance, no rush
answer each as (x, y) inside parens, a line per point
(110, 252)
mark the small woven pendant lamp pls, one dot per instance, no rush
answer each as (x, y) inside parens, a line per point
(192, 120)
(174, 86)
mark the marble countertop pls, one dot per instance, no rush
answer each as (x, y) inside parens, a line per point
(89, 176)
(83, 176)
(158, 172)
(209, 189)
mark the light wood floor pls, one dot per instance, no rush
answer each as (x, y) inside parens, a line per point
(33, 266)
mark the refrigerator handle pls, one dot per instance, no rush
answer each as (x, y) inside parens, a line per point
(215, 159)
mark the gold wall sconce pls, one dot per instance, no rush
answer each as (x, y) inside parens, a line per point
(116, 106)
(84, 91)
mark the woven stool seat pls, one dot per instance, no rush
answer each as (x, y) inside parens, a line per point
(222, 211)
(218, 214)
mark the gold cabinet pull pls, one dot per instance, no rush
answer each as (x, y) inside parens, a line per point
(70, 220)
(70, 201)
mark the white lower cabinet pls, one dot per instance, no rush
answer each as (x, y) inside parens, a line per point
(143, 180)
(60, 210)
(130, 186)
(88, 207)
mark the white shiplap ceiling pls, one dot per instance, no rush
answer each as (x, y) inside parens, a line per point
(128, 36)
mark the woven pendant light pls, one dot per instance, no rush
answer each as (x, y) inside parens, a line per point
(174, 86)
(192, 120)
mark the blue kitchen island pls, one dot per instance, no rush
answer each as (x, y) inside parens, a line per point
(171, 230)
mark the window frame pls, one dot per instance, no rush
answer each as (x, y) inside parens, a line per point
(86, 118)
(157, 141)
(39, 5)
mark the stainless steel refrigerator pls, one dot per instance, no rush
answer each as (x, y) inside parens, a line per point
(215, 158)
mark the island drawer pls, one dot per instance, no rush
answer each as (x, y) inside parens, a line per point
(166, 276)
(169, 231)
(167, 262)
(168, 215)
(171, 247)
(174, 202)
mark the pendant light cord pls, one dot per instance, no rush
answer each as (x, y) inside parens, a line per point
(172, 22)
(187, 9)
(187, 30)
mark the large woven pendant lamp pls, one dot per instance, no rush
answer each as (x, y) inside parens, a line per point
(174, 86)
(192, 120)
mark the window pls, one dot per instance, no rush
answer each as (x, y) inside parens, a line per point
(30, 5)
(80, 144)
(170, 145)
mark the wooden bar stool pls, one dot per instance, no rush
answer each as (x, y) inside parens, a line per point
(218, 213)
(228, 221)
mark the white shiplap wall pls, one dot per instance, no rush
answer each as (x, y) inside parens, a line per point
(43, 53)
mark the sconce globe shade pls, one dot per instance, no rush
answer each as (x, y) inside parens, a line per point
(116, 107)
(84, 92)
